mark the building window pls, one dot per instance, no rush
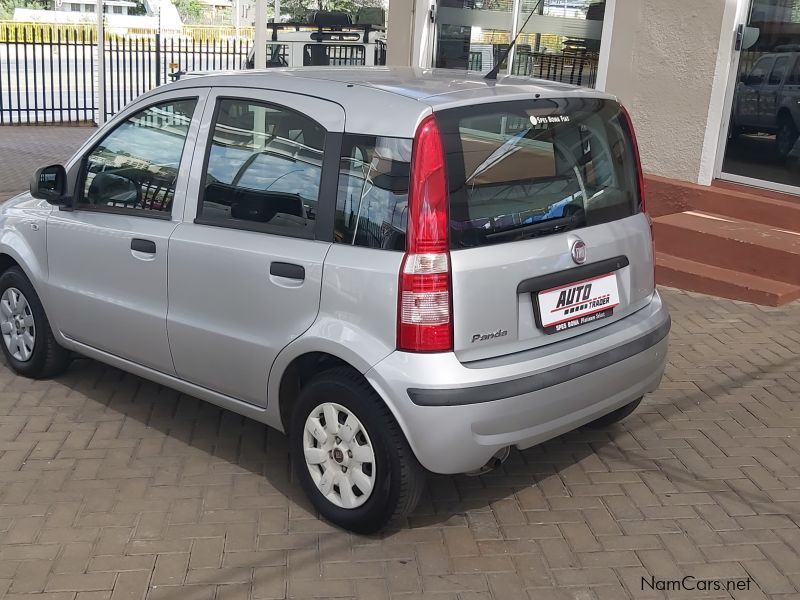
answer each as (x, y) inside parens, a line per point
(560, 42)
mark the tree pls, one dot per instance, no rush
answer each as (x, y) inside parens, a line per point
(7, 7)
(191, 11)
(298, 9)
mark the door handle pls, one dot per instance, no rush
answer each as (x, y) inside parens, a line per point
(288, 270)
(146, 246)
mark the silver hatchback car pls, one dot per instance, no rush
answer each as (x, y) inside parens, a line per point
(400, 269)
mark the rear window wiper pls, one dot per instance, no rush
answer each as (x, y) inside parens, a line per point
(557, 225)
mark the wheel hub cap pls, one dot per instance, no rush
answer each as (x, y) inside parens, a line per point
(339, 455)
(17, 325)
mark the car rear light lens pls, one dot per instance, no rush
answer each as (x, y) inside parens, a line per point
(636, 156)
(640, 180)
(424, 311)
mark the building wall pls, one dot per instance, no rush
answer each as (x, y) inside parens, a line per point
(669, 62)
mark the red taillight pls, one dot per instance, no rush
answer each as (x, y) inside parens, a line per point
(424, 304)
(636, 157)
(640, 177)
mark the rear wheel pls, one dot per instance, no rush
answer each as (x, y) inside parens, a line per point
(350, 455)
(616, 416)
(28, 343)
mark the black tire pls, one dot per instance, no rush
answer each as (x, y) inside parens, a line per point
(786, 136)
(47, 358)
(616, 416)
(399, 478)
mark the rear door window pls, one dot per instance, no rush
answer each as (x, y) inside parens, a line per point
(263, 169)
(529, 168)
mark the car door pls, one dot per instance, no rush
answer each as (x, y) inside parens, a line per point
(747, 112)
(768, 97)
(245, 266)
(107, 257)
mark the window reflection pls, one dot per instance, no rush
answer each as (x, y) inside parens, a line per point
(765, 114)
(561, 42)
(136, 166)
(264, 166)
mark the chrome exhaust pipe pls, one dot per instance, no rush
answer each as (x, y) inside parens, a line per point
(498, 458)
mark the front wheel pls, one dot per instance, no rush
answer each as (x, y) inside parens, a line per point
(28, 343)
(350, 454)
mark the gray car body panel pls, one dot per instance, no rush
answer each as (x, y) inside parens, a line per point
(347, 306)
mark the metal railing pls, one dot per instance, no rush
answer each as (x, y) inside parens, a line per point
(47, 73)
(577, 67)
(47, 78)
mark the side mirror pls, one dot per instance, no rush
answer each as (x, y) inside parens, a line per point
(50, 184)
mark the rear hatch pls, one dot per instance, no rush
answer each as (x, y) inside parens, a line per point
(547, 231)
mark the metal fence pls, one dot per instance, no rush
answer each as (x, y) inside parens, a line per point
(48, 72)
(135, 65)
(47, 75)
(578, 67)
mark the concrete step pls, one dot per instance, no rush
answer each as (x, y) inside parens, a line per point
(740, 202)
(716, 281)
(739, 246)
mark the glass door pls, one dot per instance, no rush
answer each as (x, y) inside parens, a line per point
(560, 42)
(762, 145)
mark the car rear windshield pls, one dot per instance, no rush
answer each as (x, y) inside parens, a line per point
(523, 169)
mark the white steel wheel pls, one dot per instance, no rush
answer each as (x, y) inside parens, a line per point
(17, 324)
(339, 455)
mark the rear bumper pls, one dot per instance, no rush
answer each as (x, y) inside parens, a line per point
(457, 416)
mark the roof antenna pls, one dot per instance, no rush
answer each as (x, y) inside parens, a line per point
(493, 73)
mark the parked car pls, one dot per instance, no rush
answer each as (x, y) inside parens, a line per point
(399, 269)
(767, 100)
(329, 39)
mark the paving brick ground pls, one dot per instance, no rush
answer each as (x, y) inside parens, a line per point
(114, 488)
(23, 149)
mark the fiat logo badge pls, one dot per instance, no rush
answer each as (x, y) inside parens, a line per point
(578, 252)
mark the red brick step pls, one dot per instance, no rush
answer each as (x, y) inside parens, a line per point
(740, 246)
(716, 281)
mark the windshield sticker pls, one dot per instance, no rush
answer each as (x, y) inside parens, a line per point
(543, 122)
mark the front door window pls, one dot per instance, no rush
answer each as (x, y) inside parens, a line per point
(135, 167)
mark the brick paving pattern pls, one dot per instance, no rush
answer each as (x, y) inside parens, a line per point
(114, 488)
(23, 149)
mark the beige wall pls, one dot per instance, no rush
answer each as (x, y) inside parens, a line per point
(668, 63)
(399, 32)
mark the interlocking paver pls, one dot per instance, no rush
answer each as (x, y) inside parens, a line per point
(114, 488)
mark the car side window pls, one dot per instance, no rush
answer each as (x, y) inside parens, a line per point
(263, 169)
(372, 198)
(779, 70)
(794, 77)
(135, 167)
(759, 72)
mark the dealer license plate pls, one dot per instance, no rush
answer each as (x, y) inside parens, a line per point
(578, 303)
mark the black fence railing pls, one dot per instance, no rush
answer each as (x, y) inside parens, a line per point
(135, 65)
(578, 67)
(47, 76)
